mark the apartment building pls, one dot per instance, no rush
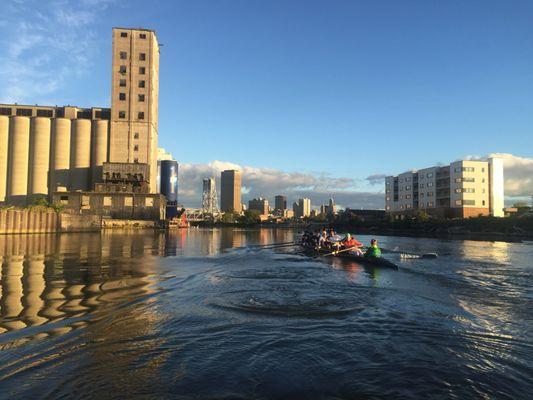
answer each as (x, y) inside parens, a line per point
(259, 204)
(460, 190)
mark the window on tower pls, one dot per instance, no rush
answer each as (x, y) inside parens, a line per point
(140, 115)
(123, 55)
(122, 69)
(122, 114)
(142, 35)
(142, 56)
(142, 70)
(122, 96)
(122, 83)
(141, 84)
(141, 97)
(123, 34)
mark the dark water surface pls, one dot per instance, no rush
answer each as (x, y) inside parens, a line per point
(204, 314)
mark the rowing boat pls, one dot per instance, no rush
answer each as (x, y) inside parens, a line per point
(370, 261)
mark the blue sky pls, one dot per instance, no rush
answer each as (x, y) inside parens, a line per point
(331, 89)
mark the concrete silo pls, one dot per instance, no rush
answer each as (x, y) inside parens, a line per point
(4, 142)
(80, 155)
(60, 155)
(99, 148)
(39, 156)
(17, 169)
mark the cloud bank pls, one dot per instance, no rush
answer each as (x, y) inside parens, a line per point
(268, 182)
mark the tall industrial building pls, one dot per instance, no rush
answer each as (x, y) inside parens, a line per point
(462, 189)
(209, 196)
(168, 178)
(63, 149)
(230, 191)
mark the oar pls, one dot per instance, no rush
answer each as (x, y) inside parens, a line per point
(334, 253)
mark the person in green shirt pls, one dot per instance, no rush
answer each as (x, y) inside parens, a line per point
(373, 250)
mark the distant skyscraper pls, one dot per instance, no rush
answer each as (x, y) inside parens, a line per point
(302, 208)
(230, 191)
(280, 202)
(332, 208)
(209, 196)
(260, 205)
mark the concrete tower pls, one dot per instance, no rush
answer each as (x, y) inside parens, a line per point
(209, 196)
(134, 99)
(230, 191)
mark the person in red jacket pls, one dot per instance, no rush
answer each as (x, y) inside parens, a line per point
(350, 242)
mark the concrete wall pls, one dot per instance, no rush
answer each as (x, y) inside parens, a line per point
(28, 221)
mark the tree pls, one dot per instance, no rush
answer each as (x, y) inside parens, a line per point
(250, 217)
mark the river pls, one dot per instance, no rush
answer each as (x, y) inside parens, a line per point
(206, 313)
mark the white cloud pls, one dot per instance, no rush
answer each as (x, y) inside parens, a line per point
(518, 175)
(45, 45)
(268, 182)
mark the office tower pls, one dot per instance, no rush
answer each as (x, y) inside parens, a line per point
(209, 196)
(462, 189)
(302, 208)
(260, 205)
(230, 191)
(280, 203)
(134, 99)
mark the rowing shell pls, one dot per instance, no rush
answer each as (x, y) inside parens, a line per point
(370, 261)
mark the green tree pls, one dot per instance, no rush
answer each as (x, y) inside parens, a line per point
(250, 217)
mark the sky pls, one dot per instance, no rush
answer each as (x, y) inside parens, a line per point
(310, 98)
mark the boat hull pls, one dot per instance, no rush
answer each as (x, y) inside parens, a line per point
(368, 261)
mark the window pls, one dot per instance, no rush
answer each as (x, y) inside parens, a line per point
(458, 190)
(140, 115)
(408, 188)
(483, 180)
(122, 69)
(430, 194)
(401, 207)
(123, 55)
(24, 112)
(136, 135)
(387, 191)
(430, 204)
(458, 180)
(388, 183)
(136, 147)
(107, 201)
(136, 160)
(5, 111)
(483, 190)
(458, 202)
(63, 199)
(149, 202)
(407, 197)
(122, 96)
(141, 84)
(387, 198)
(408, 206)
(45, 113)
(401, 197)
(469, 202)
(123, 34)
(141, 97)
(128, 201)
(122, 83)
(421, 194)
(421, 186)
(142, 35)
(482, 202)
(429, 174)
(469, 190)
(482, 169)
(122, 114)
(469, 180)
(142, 70)
(142, 56)
(430, 184)
(408, 179)
(85, 200)
(401, 180)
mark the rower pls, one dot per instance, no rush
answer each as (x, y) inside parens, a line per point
(373, 250)
(334, 239)
(351, 242)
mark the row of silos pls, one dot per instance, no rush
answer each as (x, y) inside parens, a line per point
(40, 155)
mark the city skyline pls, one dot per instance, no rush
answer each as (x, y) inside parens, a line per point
(378, 81)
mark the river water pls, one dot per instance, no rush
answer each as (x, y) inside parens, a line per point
(207, 314)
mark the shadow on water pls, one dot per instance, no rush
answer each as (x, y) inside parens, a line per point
(208, 313)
